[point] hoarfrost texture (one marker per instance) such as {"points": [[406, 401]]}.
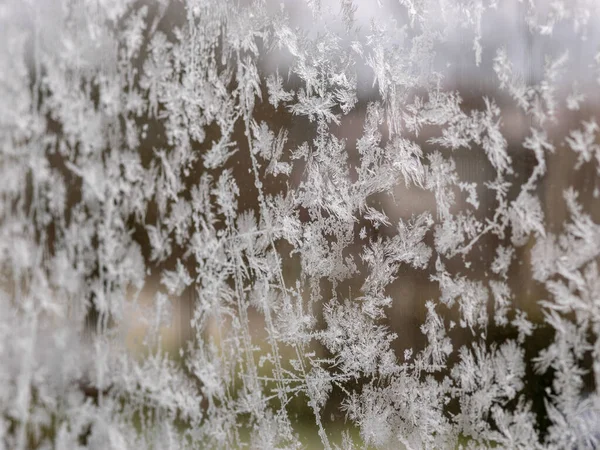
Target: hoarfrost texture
{"points": [[299, 224]]}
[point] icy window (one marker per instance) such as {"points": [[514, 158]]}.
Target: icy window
{"points": [[335, 224]]}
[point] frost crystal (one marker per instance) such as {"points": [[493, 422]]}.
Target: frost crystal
{"points": [[299, 224]]}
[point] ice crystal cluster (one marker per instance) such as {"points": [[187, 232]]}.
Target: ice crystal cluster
{"points": [[338, 224]]}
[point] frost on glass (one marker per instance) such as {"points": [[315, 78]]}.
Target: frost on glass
{"points": [[299, 224]]}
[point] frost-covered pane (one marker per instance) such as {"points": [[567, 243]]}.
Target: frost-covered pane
{"points": [[299, 224]]}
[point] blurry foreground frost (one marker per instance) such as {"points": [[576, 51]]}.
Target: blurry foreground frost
{"points": [[299, 224]]}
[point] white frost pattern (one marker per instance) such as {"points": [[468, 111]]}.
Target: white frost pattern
{"points": [[242, 223]]}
